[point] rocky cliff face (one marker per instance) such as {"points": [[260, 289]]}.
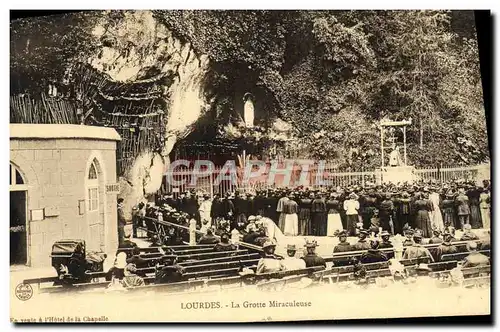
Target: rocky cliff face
{"points": [[130, 46]]}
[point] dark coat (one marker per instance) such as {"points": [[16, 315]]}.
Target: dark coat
{"points": [[208, 239], [343, 247], [361, 245], [384, 245], [435, 239], [251, 237], [314, 260], [373, 256], [224, 247], [217, 209]]}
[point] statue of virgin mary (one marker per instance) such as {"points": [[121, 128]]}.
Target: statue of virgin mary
{"points": [[248, 110]]}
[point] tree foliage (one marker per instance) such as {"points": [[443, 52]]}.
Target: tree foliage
{"points": [[333, 75]]}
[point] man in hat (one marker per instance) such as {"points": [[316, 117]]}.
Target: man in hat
{"points": [[137, 260], [224, 244], [209, 237], [343, 245], [362, 243], [409, 238], [386, 243], [435, 237], [311, 258], [373, 255], [121, 220], [468, 234], [446, 247], [475, 258], [291, 262], [138, 214], [417, 251], [269, 263], [385, 213], [403, 212], [463, 210]]}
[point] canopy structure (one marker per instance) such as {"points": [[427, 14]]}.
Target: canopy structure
{"points": [[384, 124]]}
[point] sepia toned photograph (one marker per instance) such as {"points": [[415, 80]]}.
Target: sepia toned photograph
{"points": [[248, 166]]}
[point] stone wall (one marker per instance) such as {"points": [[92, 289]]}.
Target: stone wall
{"points": [[55, 171]]}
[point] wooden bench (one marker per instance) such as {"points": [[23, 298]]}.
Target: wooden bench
{"points": [[220, 259], [192, 251], [213, 273], [221, 265], [39, 281], [461, 255], [210, 255], [479, 281], [467, 272], [350, 268]]}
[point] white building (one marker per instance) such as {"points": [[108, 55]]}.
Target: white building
{"points": [[63, 185]]}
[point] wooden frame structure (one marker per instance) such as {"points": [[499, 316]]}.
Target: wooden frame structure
{"points": [[392, 124]]}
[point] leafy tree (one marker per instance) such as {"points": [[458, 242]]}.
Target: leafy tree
{"points": [[331, 74]]}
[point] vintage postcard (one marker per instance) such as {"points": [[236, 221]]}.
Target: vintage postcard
{"points": [[247, 166]]}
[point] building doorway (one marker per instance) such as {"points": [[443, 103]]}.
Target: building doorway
{"points": [[93, 231], [18, 220]]}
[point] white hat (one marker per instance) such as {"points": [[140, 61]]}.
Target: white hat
{"points": [[251, 218], [121, 260]]}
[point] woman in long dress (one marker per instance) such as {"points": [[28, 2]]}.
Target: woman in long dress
{"points": [[318, 216], [484, 205], [280, 211], [475, 213], [305, 215], [290, 209], [204, 210], [403, 211], [436, 216], [333, 221], [422, 220], [448, 207]]}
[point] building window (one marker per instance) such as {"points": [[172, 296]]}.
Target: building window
{"points": [[92, 189], [15, 177], [16, 181], [93, 203], [92, 172]]}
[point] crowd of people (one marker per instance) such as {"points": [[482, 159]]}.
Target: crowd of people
{"points": [[325, 212], [424, 213]]}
